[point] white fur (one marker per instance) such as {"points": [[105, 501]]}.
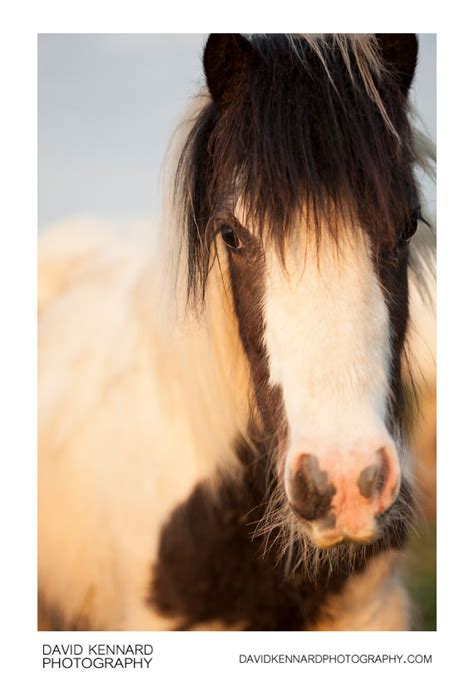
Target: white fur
{"points": [[328, 340], [129, 421], [421, 333]]}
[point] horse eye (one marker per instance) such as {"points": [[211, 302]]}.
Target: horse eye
{"points": [[410, 228], [230, 238]]}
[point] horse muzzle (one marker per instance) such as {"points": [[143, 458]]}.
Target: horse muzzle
{"points": [[339, 494]]}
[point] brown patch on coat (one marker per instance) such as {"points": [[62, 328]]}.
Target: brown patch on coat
{"points": [[210, 567]]}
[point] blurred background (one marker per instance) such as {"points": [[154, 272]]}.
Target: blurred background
{"points": [[107, 106]]}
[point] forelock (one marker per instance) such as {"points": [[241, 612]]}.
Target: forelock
{"points": [[315, 126]]}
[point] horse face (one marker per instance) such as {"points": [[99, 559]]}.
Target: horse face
{"points": [[304, 159], [323, 339]]}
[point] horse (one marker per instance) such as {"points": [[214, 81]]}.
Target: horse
{"points": [[225, 411]]}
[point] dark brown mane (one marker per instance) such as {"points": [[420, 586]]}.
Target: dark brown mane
{"points": [[299, 127]]}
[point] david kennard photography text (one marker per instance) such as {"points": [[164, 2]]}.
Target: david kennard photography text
{"points": [[97, 656]]}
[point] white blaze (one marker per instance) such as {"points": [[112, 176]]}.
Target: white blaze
{"points": [[328, 341]]}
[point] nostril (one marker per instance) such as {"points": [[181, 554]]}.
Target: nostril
{"points": [[379, 481], [371, 480], [310, 492]]}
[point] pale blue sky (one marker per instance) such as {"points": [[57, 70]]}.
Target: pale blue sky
{"points": [[108, 105]]}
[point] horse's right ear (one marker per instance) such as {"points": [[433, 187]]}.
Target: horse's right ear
{"points": [[226, 57]]}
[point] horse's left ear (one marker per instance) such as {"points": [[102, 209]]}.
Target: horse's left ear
{"points": [[226, 56], [400, 53]]}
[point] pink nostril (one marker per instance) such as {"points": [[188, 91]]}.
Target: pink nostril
{"points": [[371, 480], [380, 482]]}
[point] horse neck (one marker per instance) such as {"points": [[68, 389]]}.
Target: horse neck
{"points": [[204, 370]]}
